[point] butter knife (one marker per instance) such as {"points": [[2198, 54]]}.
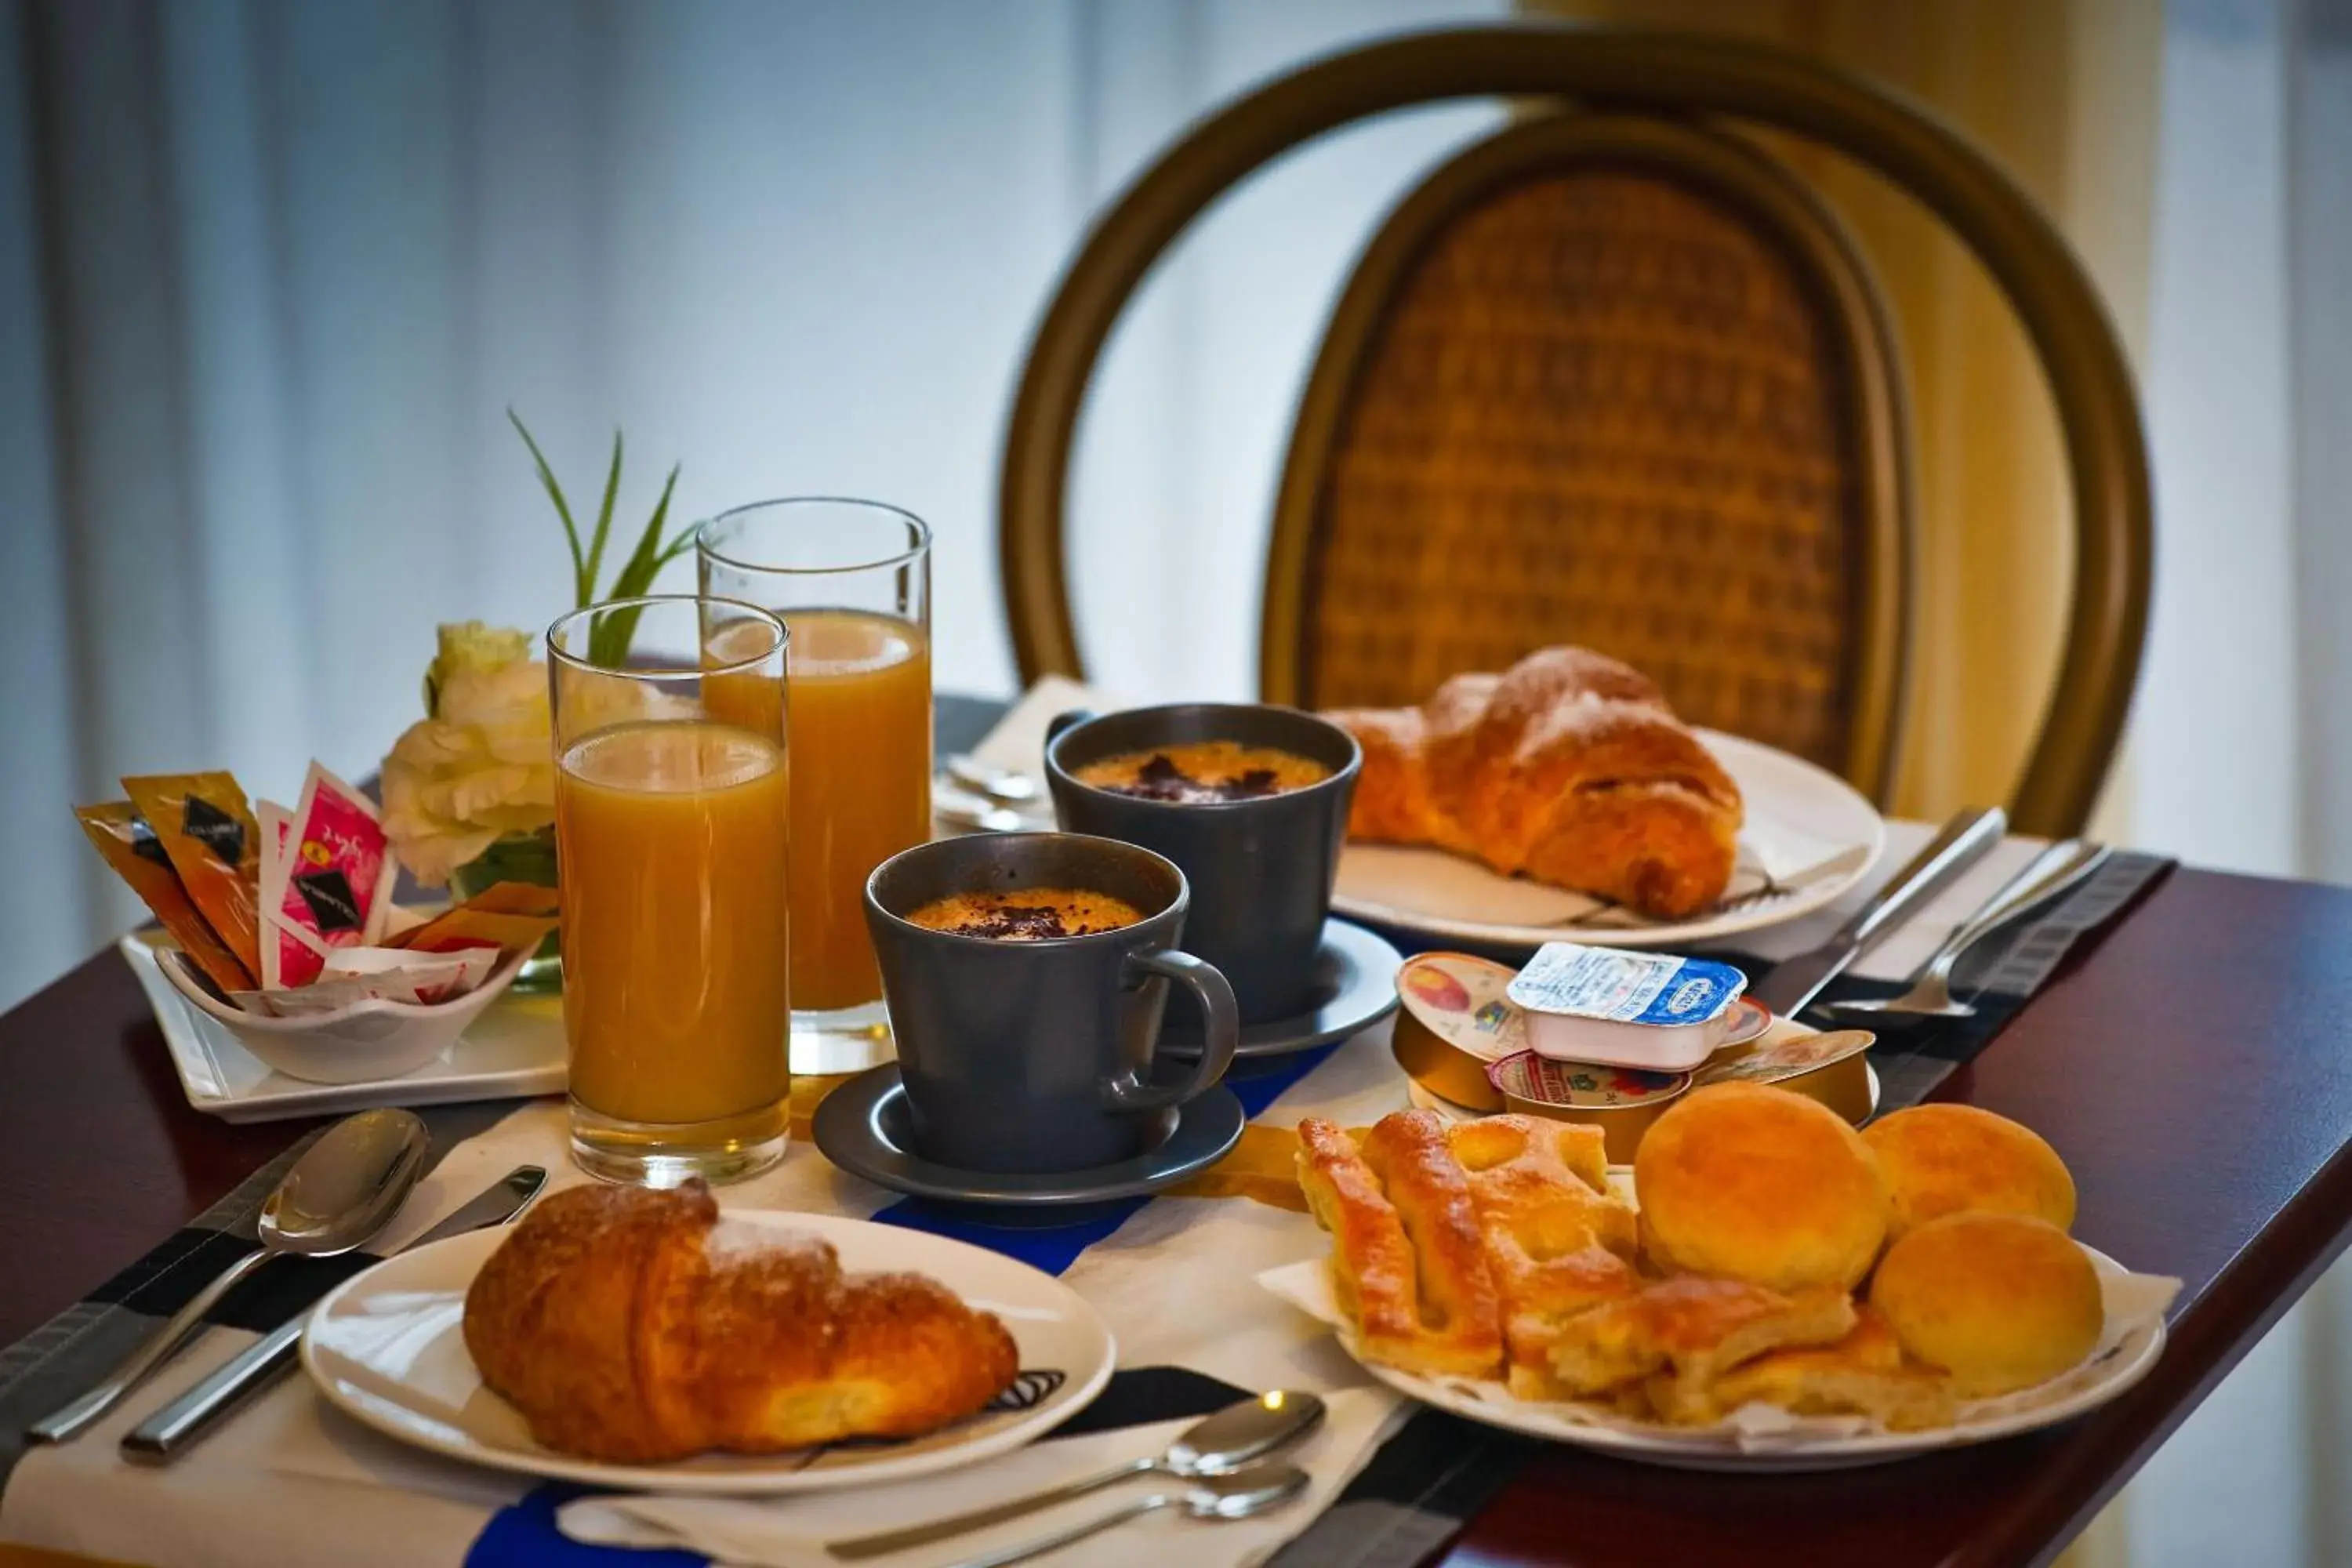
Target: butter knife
{"points": [[1965, 841], [173, 1430]]}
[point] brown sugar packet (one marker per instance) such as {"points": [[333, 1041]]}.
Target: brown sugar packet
{"points": [[514, 898], [506, 915], [130, 847], [204, 823]]}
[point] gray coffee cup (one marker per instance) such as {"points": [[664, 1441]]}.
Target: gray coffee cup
{"points": [[1037, 1056], [1261, 869]]}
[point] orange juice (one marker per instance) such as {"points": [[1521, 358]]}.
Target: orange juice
{"points": [[859, 712], [671, 840]]}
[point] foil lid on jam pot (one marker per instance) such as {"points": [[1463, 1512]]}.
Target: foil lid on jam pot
{"points": [[1612, 1004], [1455, 1021], [1831, 1067], [1621, 1101]]}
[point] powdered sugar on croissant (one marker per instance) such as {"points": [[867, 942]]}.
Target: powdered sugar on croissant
{"points": [[1569, 768]]}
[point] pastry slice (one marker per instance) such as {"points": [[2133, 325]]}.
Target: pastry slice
{"points": [[1862, 1375], [1407, 1264], [1558, 1242], [1697, 1328]]}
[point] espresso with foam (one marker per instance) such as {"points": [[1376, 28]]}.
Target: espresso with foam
{"points": [[1203, 773], [1026, 914]]}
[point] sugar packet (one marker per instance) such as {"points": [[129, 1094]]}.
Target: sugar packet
{"points": [[355, 975], [336, 887], [507, 914], [130, 846], [207, 832], [286, 958]]}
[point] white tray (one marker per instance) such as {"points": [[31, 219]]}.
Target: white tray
{"points": [[515, 1048]]}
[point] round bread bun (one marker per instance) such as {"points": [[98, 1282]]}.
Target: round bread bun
{"points": [[1955, 1158], [1754, 1182], [2002, 1301]]}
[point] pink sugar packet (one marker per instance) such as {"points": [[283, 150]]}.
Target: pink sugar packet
{"points": [[283, 954], [334, 887]]}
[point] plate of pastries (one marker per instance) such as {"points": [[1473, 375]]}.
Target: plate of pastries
{"points": [[1764, 1288], [1564, 795], [628, 1338]]}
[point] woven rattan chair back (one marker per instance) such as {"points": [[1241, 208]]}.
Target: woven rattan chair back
{"points": [[1616, 381], [1385, 461]]}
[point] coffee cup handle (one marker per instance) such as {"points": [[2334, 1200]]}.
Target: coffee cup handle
{"points": [[1207, 984]]}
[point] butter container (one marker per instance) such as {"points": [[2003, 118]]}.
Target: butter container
{"points": [[1454, 1022], [1832, 1068], [1610, 1005], [1622, 1102]]}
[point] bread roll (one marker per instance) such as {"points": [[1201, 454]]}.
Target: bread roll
{"points": [[2002, 1301], [1758, 1184], [1956, 1159]]}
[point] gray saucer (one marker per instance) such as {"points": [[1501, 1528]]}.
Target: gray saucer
{"points": [[862, 1127], [1355, 987]]}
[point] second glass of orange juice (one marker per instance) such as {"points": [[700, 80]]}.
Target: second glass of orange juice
{"points": [[672, 827], [852, 581]]}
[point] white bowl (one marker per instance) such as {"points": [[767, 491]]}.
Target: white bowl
{"points": [[366, 1041]]}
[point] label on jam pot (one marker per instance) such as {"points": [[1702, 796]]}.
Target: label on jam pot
{"points": [[1464, 1002], [1792, 1055]]}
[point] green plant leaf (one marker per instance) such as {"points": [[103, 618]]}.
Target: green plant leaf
{"points": [[582, 587], [649, 557], [604, 516]]}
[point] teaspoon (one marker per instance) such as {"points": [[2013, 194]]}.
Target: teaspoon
{"points": [[343, 1190], [1241, 1495], [1002, 785], [1216, 1446]]}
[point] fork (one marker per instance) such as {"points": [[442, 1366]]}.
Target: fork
{"points": [[2057, 870]]}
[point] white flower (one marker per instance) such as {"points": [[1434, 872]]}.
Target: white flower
{"points": [[483, 765]]}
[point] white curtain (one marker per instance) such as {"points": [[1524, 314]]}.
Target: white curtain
{"points": [[2241, 741], [270, 275]]}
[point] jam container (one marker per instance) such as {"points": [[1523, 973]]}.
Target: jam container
{"points": [[1626, 1009], [1621, 1101], [1831, 1067], [1454, 1022]]}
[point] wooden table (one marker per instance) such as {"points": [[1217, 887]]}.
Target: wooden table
{"points": [[2191, 1068]]}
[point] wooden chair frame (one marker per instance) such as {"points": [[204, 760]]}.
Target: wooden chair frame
{"points": [[1650, 73], [1730, 173]]}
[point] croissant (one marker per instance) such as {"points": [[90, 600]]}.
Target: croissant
{"points": [[1569, 768], [636, 1327]]}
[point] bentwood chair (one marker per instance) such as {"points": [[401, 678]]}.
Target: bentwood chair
{"points": [[1614, 375]]}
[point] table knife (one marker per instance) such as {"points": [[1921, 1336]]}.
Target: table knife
{"points": [[1965, 841], [173, 1430]]}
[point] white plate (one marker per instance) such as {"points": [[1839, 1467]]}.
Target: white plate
{"points": [[1436, 894], [2105, 1376], [514, 1048], [387, 1348]]}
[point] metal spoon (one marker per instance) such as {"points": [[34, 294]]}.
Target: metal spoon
{"points": [[1002, 785], [1238, 1496], [1217, 1445], [969, 812], [2057, 870], [337, 1196]]}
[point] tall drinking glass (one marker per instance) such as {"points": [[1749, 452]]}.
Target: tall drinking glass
{"points": [[671, 828], [852, 580]]}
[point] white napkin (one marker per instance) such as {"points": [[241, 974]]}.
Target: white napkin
{"points": [[1018, 741], [791, 1531]]}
